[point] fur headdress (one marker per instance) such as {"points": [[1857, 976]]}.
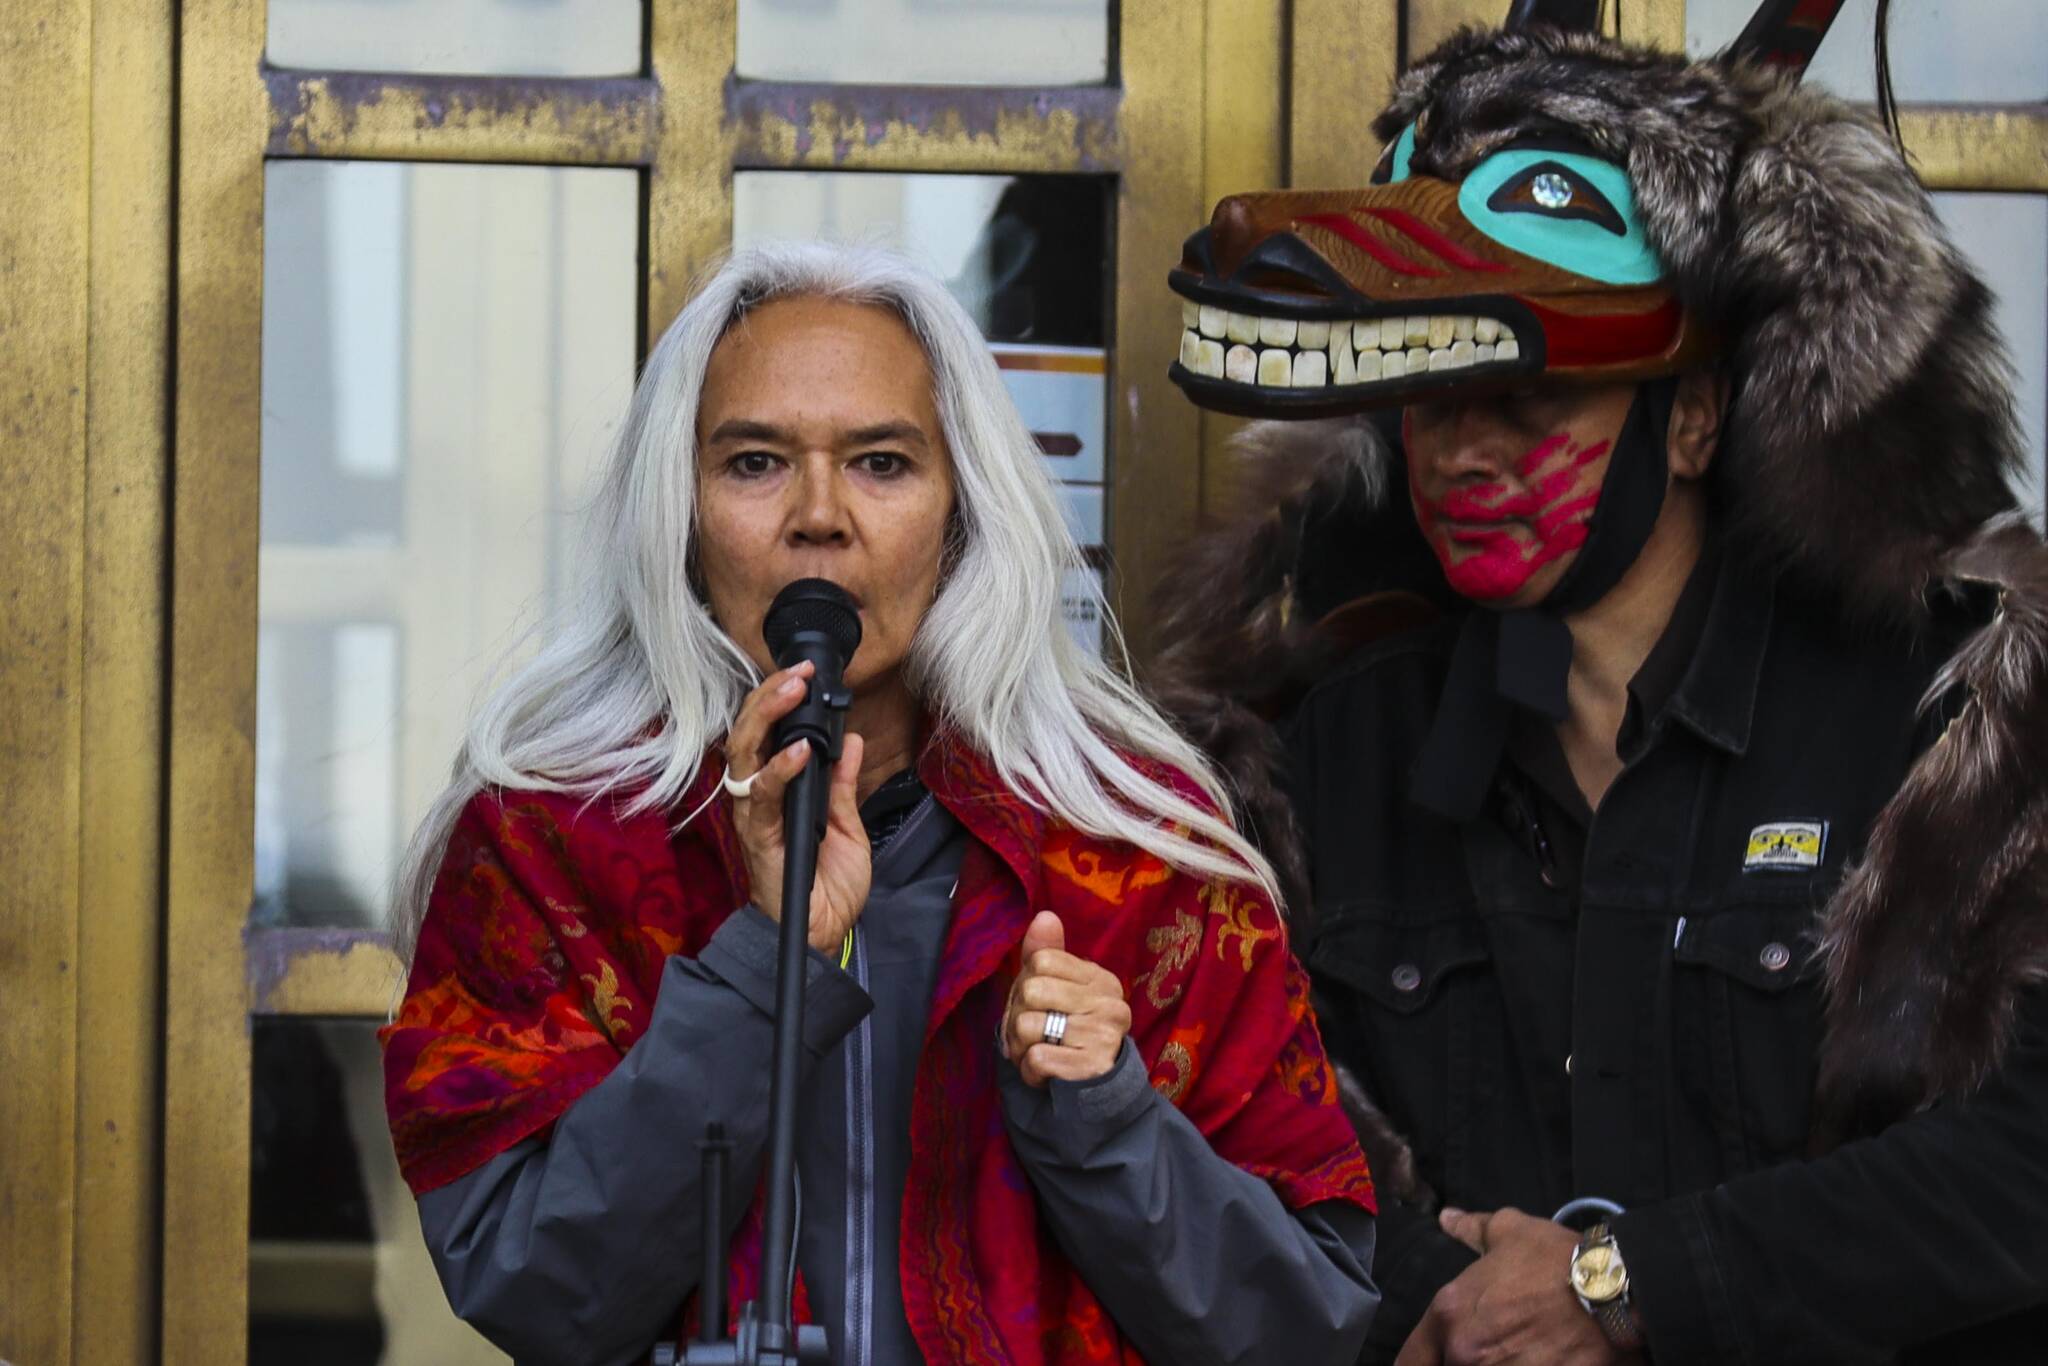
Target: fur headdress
{"points": [[1867, 448]]}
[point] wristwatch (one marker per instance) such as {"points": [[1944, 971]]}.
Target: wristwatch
{"points": [[1600, 1280]]}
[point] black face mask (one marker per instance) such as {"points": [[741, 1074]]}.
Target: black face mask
{"points": [[1523, 657]]}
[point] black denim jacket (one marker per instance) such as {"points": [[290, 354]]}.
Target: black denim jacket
{"points": [[1551, 1003]]}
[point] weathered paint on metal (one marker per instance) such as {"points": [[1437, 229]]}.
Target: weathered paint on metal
{"points": [[574, 122], [1009, 129], [1972, 147], [315, 971], [689, 190]]}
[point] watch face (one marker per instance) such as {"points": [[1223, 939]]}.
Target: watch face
{"points": [[1597, 1273]]}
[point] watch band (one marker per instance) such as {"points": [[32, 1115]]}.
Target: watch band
{"points": [[1617, 1323]]}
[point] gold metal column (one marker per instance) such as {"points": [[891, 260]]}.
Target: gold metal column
{"points": [[44, 258], [211, 783], [115, 1264], [84, 248]]}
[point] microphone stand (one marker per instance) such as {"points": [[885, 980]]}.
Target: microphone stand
{"points": [[765, 1334], [803, 825]]}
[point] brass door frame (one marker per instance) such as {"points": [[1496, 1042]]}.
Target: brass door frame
{"points": [[687, 126], [85, 235]]}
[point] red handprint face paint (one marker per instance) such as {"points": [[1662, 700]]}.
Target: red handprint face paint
{"points": [[1492, 538]]}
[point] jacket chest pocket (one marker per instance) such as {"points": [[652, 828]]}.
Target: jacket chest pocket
{"points": [[1747, 1003], [1411, 1009]]}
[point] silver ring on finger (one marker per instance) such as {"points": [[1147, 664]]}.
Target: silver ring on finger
{"points": [[1055, 1027], [739, 787]]}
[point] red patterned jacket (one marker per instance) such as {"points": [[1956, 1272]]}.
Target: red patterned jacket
{"points": [[543, 948]]}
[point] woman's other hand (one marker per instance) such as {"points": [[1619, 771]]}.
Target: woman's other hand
{"points": [[841, 887], [1091, 997]]}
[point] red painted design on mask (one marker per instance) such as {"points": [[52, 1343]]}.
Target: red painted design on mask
{"points": [[1357, 236], [1492, 538]]}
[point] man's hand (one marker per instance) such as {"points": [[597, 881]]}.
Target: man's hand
{"points": [[1092, 998], [1514, 1304]]}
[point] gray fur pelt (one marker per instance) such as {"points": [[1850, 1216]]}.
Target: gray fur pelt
{"points": [[1933, 935]]}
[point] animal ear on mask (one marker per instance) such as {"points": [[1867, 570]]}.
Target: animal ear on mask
{"points": [[1785, 33], [1580, 15]]}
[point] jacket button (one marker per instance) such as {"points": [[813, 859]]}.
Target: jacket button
{"points": [[1775, 957], [1407, 977]]}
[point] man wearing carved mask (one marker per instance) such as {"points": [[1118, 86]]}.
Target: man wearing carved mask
{"points": [[1658, 672]]}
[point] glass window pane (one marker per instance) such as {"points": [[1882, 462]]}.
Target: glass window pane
{"points": [[926, 42], [338, 1272], [459, 37], [1976, 51], [446, 352], [2006, 235], [1028, 256]]}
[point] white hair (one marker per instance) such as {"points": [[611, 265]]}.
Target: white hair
{"points": [[634, 680]]}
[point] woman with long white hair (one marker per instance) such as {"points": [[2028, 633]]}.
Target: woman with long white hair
{"points": [[1064, 1099]]}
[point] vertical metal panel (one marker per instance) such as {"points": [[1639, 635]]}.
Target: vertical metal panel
{"points": [[1345, 55], [127, 459], [1155, 434], [1653, 23], [223, 124], [1432, 21], [689, 191], [45, 68], [1245, 85], [1244, 93]]}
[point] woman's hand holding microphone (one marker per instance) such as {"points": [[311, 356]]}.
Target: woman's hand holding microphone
{"points": [[844, 867]]}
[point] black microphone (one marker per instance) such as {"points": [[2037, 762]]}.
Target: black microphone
{"points": [[816, 620]]}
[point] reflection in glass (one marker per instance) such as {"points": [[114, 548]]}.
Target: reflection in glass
{"points": [[926, 42], [338, 1273], [459, 37], [2006, 237], [1026, 255], [1941, 50], [446, 353]]}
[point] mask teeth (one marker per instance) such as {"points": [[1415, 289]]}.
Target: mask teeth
{"points": [[1288, 353]]}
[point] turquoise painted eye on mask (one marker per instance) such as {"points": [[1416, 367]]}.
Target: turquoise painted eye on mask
{"points": [[1574, 211]]}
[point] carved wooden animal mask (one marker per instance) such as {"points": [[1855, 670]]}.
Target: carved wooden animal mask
{"points": [[1495, 246]]}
